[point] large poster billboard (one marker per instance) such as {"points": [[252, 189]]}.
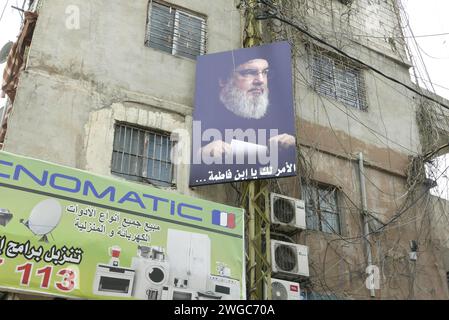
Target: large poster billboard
{"points": [[67, 232], [244, 122]]}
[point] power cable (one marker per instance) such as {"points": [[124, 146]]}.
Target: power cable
{"points": [[415, 42], [4, 8], [273, 15], [404, 37]]}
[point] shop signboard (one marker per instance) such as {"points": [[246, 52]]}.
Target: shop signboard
{"points": [[70, 233]]}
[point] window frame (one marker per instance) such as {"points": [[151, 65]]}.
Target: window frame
{"points": [[175, 34], [142, 175], [339, 64], [316, 211]]}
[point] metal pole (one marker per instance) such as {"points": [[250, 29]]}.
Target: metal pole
{"points": [[364, 213], [268, 244], [252, 234], [252, 38]]}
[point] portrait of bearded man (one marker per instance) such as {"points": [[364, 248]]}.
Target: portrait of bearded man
{"points": [[243, 97]]}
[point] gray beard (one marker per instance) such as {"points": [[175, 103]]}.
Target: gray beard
{"points": [[236, 101]]}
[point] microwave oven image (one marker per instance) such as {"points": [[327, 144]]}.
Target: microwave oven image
{"points": [[113, 281], [226, 287], [174, 293]]}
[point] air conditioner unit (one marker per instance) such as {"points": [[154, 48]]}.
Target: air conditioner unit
{"points": [[289, 259], [284, 290], [288, 213]]}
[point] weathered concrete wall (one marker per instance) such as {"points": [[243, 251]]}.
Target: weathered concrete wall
{"points": [[368, 23], [78, 83], [338, 262], [357, 29], [333, 134], [440, 230]]}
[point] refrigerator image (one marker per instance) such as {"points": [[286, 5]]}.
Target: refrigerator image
{"points": [[189, 255]]}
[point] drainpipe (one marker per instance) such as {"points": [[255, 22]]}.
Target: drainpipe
{"points": [[365, 217]]}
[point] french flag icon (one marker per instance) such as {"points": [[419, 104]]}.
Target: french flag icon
{"points": [[224, 219]]}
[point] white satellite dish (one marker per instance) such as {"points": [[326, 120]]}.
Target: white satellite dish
{"points": [[44, 218], [4, 52]]}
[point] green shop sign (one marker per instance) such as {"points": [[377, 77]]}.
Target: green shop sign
{"points": [[66, 232]]}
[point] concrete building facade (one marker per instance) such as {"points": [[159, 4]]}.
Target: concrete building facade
{"points": [[82, 79]]}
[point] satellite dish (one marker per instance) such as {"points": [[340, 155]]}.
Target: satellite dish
{"points": [[5, 51], [44, 218]]}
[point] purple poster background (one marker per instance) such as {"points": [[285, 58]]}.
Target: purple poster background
{"points": [[248, 90]]}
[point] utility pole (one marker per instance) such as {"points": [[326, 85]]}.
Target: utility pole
{"points": [[256, 196]]}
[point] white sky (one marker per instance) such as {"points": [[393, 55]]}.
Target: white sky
{"points": [[428, 17]]}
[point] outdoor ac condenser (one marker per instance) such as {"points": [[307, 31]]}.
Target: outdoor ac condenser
{"points": [[283, 290], [289, 259], [288, 213]]}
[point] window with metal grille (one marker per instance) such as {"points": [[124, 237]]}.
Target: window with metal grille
{"points": [[307, 294], [346, 2], [142, 155], [35, 5], [447, 278], [175, 30], [322, 212], [338, 79]]}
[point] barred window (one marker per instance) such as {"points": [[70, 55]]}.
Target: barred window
{"points": [[346, 2], [175, 31], [142, 155], [322, 211], [307, 294], [35, 5], [338, 79], [447, 278]]}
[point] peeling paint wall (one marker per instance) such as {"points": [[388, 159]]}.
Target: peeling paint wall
{"points": [[332, 135], [79, 83]]}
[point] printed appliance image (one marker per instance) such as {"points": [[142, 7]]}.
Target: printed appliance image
{"points": [[227, 288], [113, 280], [44, 218], [175, 293], [5, 217], [189, 256], [152, 273]]}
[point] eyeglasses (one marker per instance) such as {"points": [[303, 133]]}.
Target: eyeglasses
{"points": [[252, 73]]}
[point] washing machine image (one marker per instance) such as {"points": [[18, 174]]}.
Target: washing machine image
{"points": [[151, 274]]}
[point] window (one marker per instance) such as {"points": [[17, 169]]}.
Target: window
{"points": [[175, 31], [35, 5], [142, 155], [307, 294], [346, 2], [447, 278], [338, 79], [322, 208]]}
